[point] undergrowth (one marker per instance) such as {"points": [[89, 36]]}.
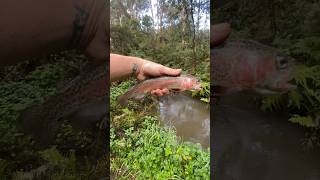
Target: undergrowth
{"points": [[20, 158], [142, 149], [303, 103]]}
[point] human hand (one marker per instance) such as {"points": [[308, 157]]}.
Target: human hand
{"points": [[150, 69], [219, 33]]}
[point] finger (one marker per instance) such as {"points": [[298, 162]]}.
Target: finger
{"points": [[154, 92], [165, 91], [161, 92], [169, 71], [219, 33], [157, 92], [141, 77]]}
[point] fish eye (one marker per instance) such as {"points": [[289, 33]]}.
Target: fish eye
{"points": [[282, 62]]}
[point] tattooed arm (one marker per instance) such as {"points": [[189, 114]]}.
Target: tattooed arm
{"points": [[40, 27], [122, 67]]}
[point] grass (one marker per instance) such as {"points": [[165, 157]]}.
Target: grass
{"points": [[19, 157], [142, 149]]}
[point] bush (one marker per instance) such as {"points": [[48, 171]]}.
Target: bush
{"points": [[154, 152]]}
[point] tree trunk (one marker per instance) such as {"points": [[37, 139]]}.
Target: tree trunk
{"points": [[193, 36]]}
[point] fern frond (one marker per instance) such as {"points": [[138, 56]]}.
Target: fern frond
{"points": [[306, 121], [295, 99], [272, 103], [302, 74]]}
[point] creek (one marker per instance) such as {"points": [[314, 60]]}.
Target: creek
{"points": [[188, 116], [248, 144]]}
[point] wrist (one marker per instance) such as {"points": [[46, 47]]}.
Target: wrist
{"points": [[137, 66]]}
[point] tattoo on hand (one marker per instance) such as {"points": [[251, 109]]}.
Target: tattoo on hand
{"points": [[134, 69], [79, 22]]}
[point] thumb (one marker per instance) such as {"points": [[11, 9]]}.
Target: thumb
{"points": [[169, 71]]}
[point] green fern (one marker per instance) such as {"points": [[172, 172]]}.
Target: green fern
{"points": [[4, 166], [306, 121], [309, 46], [302, 74], [61, 166], [272, 103], [295, 99], [306, 98], [204, 93]]}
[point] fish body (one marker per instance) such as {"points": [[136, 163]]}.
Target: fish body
{"points": [[88, 88], [248, 65], [177, 84]]}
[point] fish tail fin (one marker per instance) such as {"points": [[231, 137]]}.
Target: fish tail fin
{"points": [[123, 99]]}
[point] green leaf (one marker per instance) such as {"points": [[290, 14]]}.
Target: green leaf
{"points": [[306, 121]]}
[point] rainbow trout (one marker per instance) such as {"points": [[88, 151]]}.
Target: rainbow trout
{"points": [[175, 84], [242, 65], [88, 88]]}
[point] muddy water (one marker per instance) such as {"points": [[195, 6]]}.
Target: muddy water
{"points": [[190, 117], [251, 145], [247, 143]]}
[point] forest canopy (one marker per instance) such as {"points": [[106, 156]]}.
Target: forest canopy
{"points": [[170, 32]]}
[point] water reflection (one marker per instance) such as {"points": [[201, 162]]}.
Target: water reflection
{"points": [[251, 145], [190, 117], [248, 144]]}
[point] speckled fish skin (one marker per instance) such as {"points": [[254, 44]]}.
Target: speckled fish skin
{"points": [[41, 120], [180, 83], [248, 65]]}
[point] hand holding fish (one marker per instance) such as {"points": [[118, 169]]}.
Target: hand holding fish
{"points": [[173, 84], [122, 67], [150, 69]]}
